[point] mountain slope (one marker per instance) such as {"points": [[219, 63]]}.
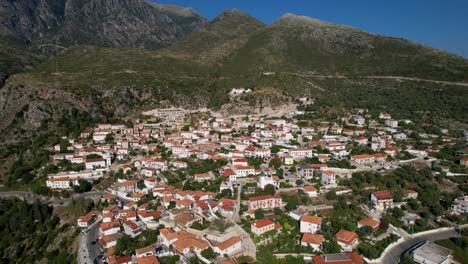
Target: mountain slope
{"points": [[295, 43], [14, 58], [111, 23], [218, 39]]}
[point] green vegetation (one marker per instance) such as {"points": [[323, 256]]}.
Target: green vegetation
{"points": [[459, 245], [126, 244], [208, 253], [373, 250], [37, 237]]}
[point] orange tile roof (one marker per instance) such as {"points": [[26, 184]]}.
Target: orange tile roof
{"points": [[144, 250], [345, 236], [264, 197], [109, 225], [228, 243], [352, 258], [311, 219], [369, 222], [309, 188], [147, 260], [262, 223], [382, 195], [310, 238]]}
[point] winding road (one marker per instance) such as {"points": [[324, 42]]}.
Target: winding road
{"points": [[393, 255]]}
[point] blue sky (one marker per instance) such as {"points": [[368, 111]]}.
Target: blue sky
{"points": [[437, 23]]}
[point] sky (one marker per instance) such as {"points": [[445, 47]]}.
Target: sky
{"points": [[436, 23]]}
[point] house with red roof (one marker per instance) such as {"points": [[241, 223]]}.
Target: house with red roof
{"points": [[266, 202], [312, 240], [338, 258], [374, 224], [347, 240], [228, 247], [310, 224], [262, 226], [381, 200]]}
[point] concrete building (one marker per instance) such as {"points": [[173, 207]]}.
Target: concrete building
{"points": [[431, 253]]}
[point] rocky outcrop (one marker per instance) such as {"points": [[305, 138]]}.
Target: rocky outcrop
{"points": [[111, 23]]}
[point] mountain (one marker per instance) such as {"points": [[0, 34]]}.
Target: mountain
{"points": [[109, 23], [297, 43], [30, 28], [218, 39]]}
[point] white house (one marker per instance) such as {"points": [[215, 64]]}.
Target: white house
{"points": [[347, 240], [328, 179], [312, 240], [300, 153], [310, 190], [229, 247], [262, 226], [265, 180], [391, 123], [310, 224], [381, 200], [243, 171], [61, 183]]}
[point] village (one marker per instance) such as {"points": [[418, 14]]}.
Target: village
{"points": [[182, 187]]}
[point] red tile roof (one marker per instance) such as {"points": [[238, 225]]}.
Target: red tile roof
{"points": [[262, 223], [383, 195]]}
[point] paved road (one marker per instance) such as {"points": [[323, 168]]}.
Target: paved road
{"points": [[248, 245], [88, 250], [393, 255]]}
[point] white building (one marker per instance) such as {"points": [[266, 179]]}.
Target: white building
{"points": [[237, 91], [265, 180], [460, 205], [312, 240], [229, 247], [381, 200], [391, 123], [310, 224], [328, 178], [243, 171], [262, 226], [431, 253], [61, 183], [302, 153]]}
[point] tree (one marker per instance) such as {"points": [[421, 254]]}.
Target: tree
{"points": [[259, 214], [275, 163], [398, 195], [364, 231], [208, 253], [125, 244], [331, 195], [269, 189], [397, 213], [109, 138], [384, 223], [226, 193], [141, 184], [330, 247], [83, 186], [291, 202], [277, 211], [275, 149]]}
